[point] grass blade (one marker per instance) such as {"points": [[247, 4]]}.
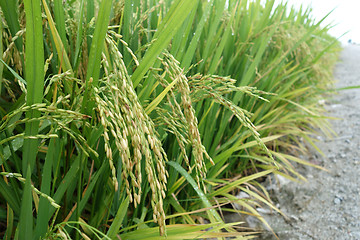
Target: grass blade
{"points": [[220, 48], [60, 20], [115, 226], [34, 73], [184, 231], [97, 45], [44, 204], [79, 35], [10, 223], [185, 63], [58, 40], [25, 228], [9, 9], [9, 195], [14, 73], [230, 186], [160, 97], [167, 29], [213, 215]]}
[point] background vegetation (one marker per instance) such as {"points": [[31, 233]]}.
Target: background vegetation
{"points": [[142, 119]]}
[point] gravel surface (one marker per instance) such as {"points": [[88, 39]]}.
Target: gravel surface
{"points": [[327, 206]]}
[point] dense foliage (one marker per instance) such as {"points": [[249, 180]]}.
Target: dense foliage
{"points": [[136, 119]]}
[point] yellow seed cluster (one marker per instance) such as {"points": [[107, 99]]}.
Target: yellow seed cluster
{"points": [[214, 87], [186, 113], [129, 129]]}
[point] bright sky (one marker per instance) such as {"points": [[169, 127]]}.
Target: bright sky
{"points": [[346, 15]]}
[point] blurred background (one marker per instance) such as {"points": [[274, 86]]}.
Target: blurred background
{"points": [[345, 16]]}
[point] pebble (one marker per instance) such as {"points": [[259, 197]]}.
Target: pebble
{"points": [[242, 195], [294, 218], [337, 200], [264, 210]]}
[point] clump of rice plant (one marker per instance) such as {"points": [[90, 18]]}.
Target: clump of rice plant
{"points": [[141, 119]]}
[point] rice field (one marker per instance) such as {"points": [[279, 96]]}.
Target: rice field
{"points": [[143, 119]]}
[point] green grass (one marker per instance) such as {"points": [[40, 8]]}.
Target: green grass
{"points": [[143, 119]]}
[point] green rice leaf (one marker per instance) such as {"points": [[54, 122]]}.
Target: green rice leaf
{"points": [[167, 29], [11, 15], [44, 205], [182, 231], [10, 223], [34, 73], [186, 61], [59, 16], [59, 40], [160, 97], [212, 214], [97, 46], [231, 186], [79, 35], [9, 195], [18, 77], [116, 224], [25, 227]]}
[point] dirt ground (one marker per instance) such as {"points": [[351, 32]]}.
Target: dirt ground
{"points": [[328, 205]]}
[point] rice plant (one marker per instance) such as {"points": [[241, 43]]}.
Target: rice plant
{"points": [[141, 119]]}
